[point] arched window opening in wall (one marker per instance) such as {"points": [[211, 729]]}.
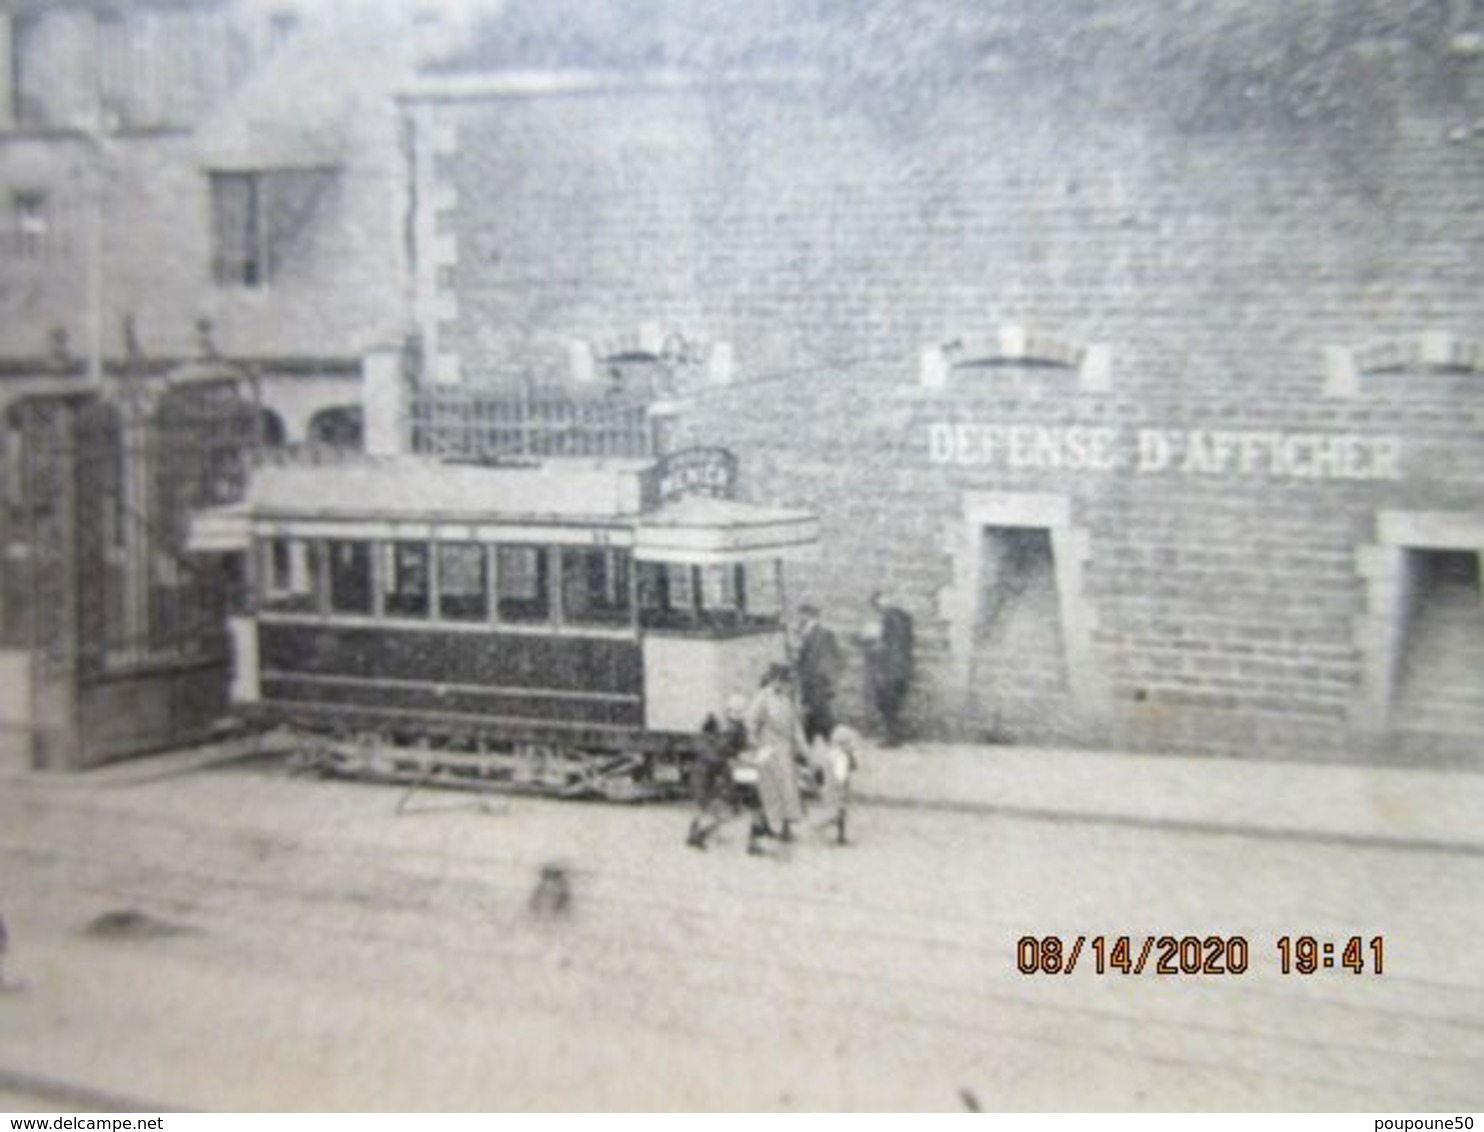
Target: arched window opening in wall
{"points": [[1013, 345], [271, 433], [643, 376], [1466, 28], [339, 427], [651, 363], [1435, 353]]}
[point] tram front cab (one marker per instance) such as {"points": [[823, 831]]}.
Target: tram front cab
{"points": [[712, 597]]}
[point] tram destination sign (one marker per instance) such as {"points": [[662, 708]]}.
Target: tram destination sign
{"points": [[692, 471], [1272, 453]]}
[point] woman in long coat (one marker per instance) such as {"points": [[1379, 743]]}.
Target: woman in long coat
{"points": [[777, 735]]}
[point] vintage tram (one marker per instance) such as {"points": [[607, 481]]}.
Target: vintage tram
{"points": [[562, 626]]}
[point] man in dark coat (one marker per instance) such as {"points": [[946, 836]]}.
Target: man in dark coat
{"points": [[888, 644], [819, 664]]}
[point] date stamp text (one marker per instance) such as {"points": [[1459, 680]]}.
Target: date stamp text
{"points": [[1188, 955]]}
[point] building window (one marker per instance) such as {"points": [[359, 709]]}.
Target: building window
{"points": [[29, 224], [339, 427], [258, 219], [25, 106], [520, 582], [463, 594], [115, 51], [283, 26], [236, 223], [406, 577]]}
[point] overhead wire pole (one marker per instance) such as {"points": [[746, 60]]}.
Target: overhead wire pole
{"points": [[94, 132], [95, 263]]}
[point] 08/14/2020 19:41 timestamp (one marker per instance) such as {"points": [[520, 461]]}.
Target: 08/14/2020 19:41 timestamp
{"points": [[1195, 955]]}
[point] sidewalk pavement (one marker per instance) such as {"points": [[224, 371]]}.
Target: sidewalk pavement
{"points": [[1425, 808], [1348, 802]]}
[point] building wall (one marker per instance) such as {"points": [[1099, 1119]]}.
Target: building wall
{"points": [[1109, 267]]}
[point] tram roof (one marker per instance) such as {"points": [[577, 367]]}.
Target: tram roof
{"points": [[409, 497], [412, 488], [704, 531]]}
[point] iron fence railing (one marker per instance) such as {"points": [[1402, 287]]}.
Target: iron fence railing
{"points": [[484, 425]]}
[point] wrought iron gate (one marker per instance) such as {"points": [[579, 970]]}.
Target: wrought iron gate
{"points": [[125, 631]]}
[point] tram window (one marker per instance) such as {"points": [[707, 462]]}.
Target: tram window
{"points": [[287, 568], [595, 585], [684, 595], [762, 598], [235, 596], [463, 594], [520, 583], [665, 596], [15, 464], [279, 570], [405, 579], [654, 593], [350, 577], [720, 596], [703, 597]]}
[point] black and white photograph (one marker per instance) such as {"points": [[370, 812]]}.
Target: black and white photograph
{"points": [[741, 556]]}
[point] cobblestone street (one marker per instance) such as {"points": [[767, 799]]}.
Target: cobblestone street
{"points": [[302, 944]]}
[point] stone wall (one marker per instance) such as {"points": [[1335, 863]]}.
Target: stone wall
{"points": [[1294, 307]]}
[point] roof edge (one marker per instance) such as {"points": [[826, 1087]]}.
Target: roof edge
{"points": [[460, 86]]}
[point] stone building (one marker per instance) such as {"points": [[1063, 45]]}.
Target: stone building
{"points": [[169, 165], [1140, 355], [194, 195]]}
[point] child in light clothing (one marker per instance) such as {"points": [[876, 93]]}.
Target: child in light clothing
{"points": [[837, 762]]}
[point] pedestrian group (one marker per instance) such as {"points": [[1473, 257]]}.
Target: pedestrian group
{"points": [[787, 730]]}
